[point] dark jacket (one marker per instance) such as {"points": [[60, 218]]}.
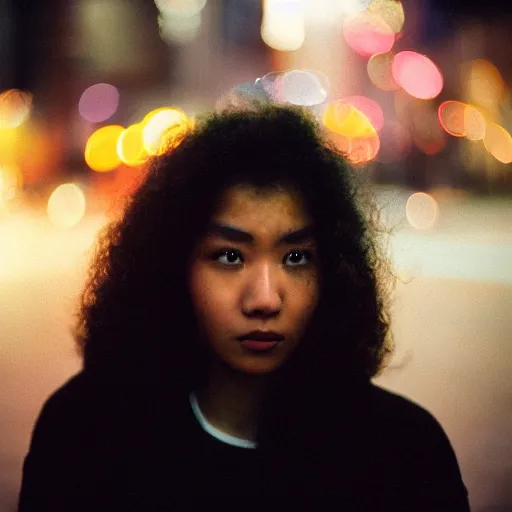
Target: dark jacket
{"points": [[89, 451]]}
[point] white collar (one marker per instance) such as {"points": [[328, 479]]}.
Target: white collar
{"points": [[215, 432]]}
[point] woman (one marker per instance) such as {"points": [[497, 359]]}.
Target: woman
{"points": [[230, 327]]}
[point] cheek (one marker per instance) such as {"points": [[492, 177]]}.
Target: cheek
{"points": [[210, 298], [304, 300]]}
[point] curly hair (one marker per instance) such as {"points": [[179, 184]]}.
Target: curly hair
{"points": [[136, 314]]}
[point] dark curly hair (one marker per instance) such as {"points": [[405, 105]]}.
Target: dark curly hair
{"points": [[136, 319]]}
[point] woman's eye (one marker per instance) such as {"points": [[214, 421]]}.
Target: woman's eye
{"points": [[228, 257], [297, 258]]}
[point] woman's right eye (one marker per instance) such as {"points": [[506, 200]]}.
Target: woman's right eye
{"points": [[228, 257]]}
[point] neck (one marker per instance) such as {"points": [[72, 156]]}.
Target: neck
{"points": [[230, 401]]}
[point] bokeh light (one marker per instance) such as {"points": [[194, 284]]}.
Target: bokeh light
{"points": [[15, 107], [390, 11], [368, 34], [182, 7], [417, 75], [283, 24], [270, 84], [359, 150], [461, 120], [130, 147], [178, 28], [362, 150], [451, 117], [98, 102], [101, 148], [11, 181], [179, 21], [297, 87], [352, 132], [162, 126], [474, 123], [370, 108], [421, 210], [498, 143], [66, 205], [485, 85], [380, 72], [31, 148], [301, 87], [344, 119], [10, 139]]}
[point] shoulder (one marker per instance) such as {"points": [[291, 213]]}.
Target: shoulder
{"points": [[403, 424], [71, 405], [413, 446], [62, 445], [393, 408], [72, 427], [80, 418], [69, 395], [82, 445]]}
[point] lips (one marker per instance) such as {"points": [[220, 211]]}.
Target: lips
{"points": [[260, 341], [261, 336]]}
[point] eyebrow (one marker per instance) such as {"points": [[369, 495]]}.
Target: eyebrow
{"points": [[233, 234]]}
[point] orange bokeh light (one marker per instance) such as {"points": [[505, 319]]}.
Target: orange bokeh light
{"points": [[462, 120], [498, 143], [163, 128], [130, 147], [101, 148], [359, 150], [451, 117], [485, 85], [474, 123]]}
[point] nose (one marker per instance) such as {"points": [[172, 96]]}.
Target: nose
{"points": [[262, 295]]}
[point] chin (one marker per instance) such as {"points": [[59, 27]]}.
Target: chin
{"points": [[258, 367]]}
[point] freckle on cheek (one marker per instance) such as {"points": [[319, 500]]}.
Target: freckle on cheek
{"points": [[310, 281]]}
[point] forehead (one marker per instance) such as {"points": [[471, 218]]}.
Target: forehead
{"points": [[247, 205]]}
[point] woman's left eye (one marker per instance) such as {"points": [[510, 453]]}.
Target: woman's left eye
{"points": [[297, 258]]}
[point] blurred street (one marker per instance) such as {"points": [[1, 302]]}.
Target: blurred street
{"points": [[452, 326]]}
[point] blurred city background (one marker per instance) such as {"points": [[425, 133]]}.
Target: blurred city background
{"points": [[416, 93]]}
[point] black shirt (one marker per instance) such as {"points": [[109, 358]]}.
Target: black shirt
{"points": [[88, 453]]}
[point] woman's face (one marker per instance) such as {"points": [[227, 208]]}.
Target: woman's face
{"points": [[254, 278]]}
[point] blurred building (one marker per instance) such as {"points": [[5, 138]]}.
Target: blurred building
{"points": [[189, 53]]}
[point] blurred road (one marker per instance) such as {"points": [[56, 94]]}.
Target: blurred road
{"points": [[452, 325]]}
